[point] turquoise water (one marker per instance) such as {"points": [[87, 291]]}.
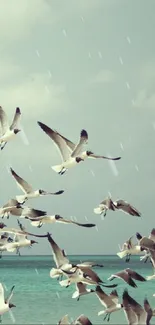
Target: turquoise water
{"points": [[41, 300]]}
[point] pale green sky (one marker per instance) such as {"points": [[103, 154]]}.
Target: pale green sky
{"points": [[76, 64]]}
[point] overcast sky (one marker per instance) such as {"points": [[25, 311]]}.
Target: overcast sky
{"points": [[75, 64]]}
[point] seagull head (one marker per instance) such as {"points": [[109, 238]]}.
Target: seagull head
{"points": [[33, 242], [88, 152], [57, 217], [16, 131], [138, 236], [42, 192], [2, 225], [11, 305], [78, 159]]}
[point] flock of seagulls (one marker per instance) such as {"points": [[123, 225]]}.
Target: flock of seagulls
{"points": [[81, 275]]}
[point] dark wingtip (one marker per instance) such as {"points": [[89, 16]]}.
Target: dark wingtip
{"points": [[117, 158], [84, 134], [59, 192], [138, 235], [89, 225], [18, 110]]}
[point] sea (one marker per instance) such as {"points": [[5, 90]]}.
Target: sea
{"points": [[41, 300]]}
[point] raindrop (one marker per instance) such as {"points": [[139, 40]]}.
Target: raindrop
{"points": [[137, 168], [100, 54], [89, 55], [38, 54], [121, 145], [86, 218], [23, 136], [127, 84], [37, 271], [96, 228], [128, 40], [57, 293], [64, 32], [121, 61]]}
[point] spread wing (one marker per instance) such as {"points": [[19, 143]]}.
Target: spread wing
{"points": [[24, 186], [127, 208], [4, 124], [58, 140], [58, 254], [79, 147], [16, 119]]}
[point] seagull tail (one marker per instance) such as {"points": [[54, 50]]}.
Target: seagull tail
{"points": [[58, 168], [75, 295], [21, 198], [122, 254], [97, 210], [102, 312], [54, 273]]}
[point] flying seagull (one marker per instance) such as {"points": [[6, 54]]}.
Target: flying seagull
{"points": [[134, 312], [14, 208], [81, 290], [64, 320], [128, 275], [108, 204], [62, 262], [129, 249], [39, 221], [28, 190], [71, 153], [5, 304], [110, 302], [15, 231], [7, 132], [87, 276], [145, 242]]}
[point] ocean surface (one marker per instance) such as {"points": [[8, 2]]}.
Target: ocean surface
{"points": [[41, 300]]}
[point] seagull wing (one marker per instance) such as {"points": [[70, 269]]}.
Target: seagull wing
{"points": [[32, 213], [83, 320], [148, 310], [104, 298], [4, 124], [114, 296], [16, 119], [131, 316], [92, 155], [126, 277], [87, 225], [1, 295], [127, 208], [64, 320], [58, 254], [58, 140], [135, 275], [7, 300], [19, 232], [152, 235], [81, 287], [92, 275], [24, 186], [79, 147], [145, 242]]}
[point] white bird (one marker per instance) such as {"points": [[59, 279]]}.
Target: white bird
{"points": [[108, 204], [129, 248], [5, 304], [71, 153], [62, 262], [15, 231], [108, 301], [28, 190], [134, 312], [128, 275], [40, 221], [81, 290], [14, 208], [7, 132]]}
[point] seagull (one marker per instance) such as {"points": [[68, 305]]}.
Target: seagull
{"points": [[81, 290], [14, 208], [134, 312], [128, 275], [71, 153], [15, 231], [129, 249], [28, 190], [108, 301], [39, 221], [61, 260], [8, 132], [84, 275], [82, 320], [145, 242], [150, 312], [108, 204], [5, 304]]}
